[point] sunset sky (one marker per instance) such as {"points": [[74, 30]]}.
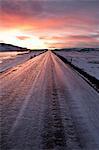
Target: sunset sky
{"points": [[50, 23]]}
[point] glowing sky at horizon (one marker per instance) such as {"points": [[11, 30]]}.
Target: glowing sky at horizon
{"points": [[50, 24]]}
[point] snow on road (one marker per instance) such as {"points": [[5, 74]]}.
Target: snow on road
{"points": [[46, 105]]}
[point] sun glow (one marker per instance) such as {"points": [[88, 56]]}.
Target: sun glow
{"points": [[34, 42], [18, 38]]}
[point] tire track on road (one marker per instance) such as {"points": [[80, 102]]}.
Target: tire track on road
{"points": [[57, 133], [53, 131]]}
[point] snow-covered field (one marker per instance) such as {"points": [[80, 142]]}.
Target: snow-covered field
{"points": [[9, 55], [87, 61], [11, 59]]}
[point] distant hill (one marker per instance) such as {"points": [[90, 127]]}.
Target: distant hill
{"points": [[78, 49], [9, 47], [88, 49]]}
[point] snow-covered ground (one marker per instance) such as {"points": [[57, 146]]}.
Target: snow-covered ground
{"points": [[11, 59], [87, 61], [9, 55]]}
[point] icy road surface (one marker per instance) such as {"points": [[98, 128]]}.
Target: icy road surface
{"points": [[45, 105]]}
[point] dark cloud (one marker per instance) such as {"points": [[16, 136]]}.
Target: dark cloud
{"points": [[22, 7], [51, 7], [70, 7]]}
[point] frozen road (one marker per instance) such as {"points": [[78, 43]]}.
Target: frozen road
{"points": [[45, 105]]}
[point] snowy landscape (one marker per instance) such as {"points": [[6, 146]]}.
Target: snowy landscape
{"points": [[49, 74], [11, 59], [85, 60]]}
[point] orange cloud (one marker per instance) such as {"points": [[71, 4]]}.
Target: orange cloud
{"points": [[22, 37], [52, 23]]}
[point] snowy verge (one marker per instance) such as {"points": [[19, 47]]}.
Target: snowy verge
{"points": [[7, 64], [90, 79]]}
